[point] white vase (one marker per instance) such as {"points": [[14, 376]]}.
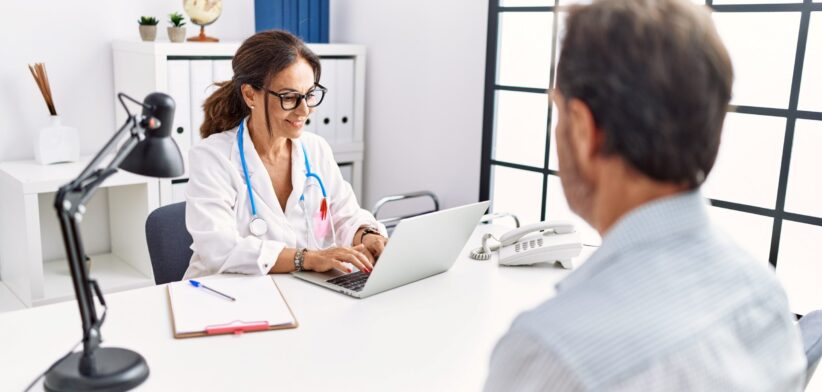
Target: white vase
{"points": [[57, 143]]}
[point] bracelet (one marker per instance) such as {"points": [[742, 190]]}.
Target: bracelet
{"points": [[369, 230], [298, 259]]}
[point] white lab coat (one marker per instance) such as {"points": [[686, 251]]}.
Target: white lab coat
{"points": [[218, 210]]}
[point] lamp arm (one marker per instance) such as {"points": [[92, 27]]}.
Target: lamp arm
{"points": [[70, 204], [105, 151]]}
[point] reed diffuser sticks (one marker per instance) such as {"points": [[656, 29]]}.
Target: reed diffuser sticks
{"points": [[38, 71]]}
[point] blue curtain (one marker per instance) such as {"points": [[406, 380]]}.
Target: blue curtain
{"points": [[307, 19]]}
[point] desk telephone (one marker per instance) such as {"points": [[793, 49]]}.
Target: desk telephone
{"points": [[535, 243]]}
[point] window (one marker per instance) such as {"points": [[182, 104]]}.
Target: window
{"points": [[766, 187]]}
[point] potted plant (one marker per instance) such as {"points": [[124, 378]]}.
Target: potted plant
{"points": [[176, 32], [148, 27]]}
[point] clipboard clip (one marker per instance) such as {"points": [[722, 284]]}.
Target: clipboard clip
{"points": [[236, 327]]}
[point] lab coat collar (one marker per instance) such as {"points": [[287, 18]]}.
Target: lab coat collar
{"points": [[260, 181]]}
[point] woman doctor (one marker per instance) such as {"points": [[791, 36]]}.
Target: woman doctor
{"points": [[263, 195]]}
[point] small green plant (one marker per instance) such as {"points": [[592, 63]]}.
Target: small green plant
{"points": [[148, 21], [176, 19]]}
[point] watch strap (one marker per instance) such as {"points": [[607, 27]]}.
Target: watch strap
{"points": [[299, 258]]}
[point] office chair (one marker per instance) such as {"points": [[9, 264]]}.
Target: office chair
{"points": [[811, 327], [488, 218], [392, 222], [169, 243]]}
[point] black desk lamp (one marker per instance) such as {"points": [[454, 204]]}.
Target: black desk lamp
{"points": [[149, 150]]}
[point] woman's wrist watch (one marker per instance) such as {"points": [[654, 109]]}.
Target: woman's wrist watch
{"points": [[299, 258], [368, 230]]}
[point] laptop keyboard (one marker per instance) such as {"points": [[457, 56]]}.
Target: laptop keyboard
{"points": [[354, 281]]}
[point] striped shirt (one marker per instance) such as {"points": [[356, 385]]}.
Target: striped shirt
{"points": [[668, 303]]}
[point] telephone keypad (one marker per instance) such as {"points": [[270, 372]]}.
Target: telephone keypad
{"points": [[523, 246]]}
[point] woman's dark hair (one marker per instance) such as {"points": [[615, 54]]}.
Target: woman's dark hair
{"points": [[259, 59], [657, 79]]}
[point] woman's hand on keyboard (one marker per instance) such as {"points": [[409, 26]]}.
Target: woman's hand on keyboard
{"points": [[328, 259], [374, 245]]}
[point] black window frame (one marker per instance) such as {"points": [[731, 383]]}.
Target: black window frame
{"points": [[791, 114]]}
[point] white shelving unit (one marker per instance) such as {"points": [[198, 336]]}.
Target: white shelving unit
{"points": [[32, 264], [9, 301], [186, 71]]}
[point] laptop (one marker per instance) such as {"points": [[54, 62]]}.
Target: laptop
{"points": [[420, 247]]}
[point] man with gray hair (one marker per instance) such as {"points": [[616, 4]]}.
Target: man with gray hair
{"points": [[668, 302]]}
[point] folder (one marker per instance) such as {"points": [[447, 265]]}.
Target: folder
{"points": [[268, 14], [314, 21], [178, 88], [222, 71], [324, 21], [303, 20], [311, 122], [344, 128], [326, 111], [201, 81], [347, 171], [259, 306]]}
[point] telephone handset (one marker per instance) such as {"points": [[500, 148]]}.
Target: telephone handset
{"points": [[535, 243]]}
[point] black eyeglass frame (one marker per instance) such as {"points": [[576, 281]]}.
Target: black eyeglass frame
{"points": [[300, 97]]}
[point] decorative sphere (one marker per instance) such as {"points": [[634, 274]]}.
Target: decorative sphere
{"points": [[203, 12]]}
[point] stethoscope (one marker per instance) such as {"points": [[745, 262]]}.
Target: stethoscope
{"points": [[258, 226]]}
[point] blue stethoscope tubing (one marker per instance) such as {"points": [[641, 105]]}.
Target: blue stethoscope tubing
{"points": [[258, 226]]}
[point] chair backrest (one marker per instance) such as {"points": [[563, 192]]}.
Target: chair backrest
{"points": [[488, 218], [811, 327], [391, 222], [169, 243]]}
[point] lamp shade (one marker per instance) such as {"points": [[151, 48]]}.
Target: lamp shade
{"points": [[157, 155]]}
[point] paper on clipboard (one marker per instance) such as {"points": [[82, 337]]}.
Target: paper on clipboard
{"points": [[198, 312]]}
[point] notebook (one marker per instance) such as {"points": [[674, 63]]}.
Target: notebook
{"points": [[259, 306]]}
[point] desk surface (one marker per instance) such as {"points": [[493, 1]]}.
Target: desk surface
{"points": [[434, 334]]}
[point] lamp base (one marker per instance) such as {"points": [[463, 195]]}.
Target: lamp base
{"points": [[118, 369]]}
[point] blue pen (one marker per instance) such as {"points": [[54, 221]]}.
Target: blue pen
{"points": [[198, 284]]}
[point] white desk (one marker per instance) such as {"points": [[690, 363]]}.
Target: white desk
{"points": [[435, 334]]}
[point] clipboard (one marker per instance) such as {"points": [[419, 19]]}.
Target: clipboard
{"points": [[260, 306]]}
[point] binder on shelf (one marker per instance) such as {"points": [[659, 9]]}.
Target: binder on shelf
{"points": [[222, 71], [314, 16], [290, 15], [178, 191], [326, 111], [311, 122], [178, 88], [201, 87], [324, 20], [306, 18], [303, 20], [347, 171], [258, 306], [344, 120]]}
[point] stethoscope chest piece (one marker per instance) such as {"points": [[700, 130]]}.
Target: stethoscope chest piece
{"points": [[258, 227]]}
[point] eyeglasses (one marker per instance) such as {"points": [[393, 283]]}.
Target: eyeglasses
{"points": [[292, 99]]}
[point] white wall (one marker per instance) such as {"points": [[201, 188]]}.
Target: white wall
{"points": [[426, 63], [424, 93], [74, 39]]}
